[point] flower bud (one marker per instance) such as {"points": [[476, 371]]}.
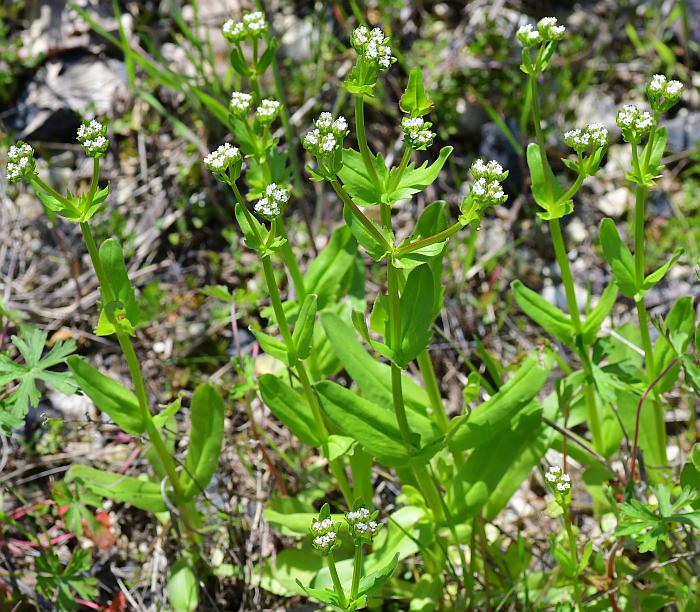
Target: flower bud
{"points": [[273, 203], [549, 29], [91, 135], [220, 160], [662, 93], [240, 104], [587, 140], [20, 164], [416, 133], [633, 123], [373, 47], [267, 112], [528, 35]]}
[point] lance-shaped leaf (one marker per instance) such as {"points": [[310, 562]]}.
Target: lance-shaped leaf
{"points": [[594, 319], [206, 436], [416, 306], [304, 327], [619, 257], [115, 400], [326, 272], [658, 274], [417, 179], [143, 494], [271, 345], [112, 259], [366, 238], [545, 187], [290, 407], [501, 412], [357, 180], [546, 315]]}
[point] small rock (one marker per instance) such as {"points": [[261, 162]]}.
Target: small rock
{"points": [[597, 107], [683, 131], [615, 203], [576, 231]]}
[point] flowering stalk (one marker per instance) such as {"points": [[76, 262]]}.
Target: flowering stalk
{"points": [[546, 35]]}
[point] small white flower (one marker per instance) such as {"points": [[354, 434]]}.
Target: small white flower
{"points": [[560, 482], [234, 31], [20, 162], [326, 136], [633, 123], [416, 132], [372, 46], [595, 136], [267, 112], [91, 135], [255, 23], [528, 35], [563, 486], [549, 29], [272, 203], [657, 83], [220, 160], [240, 103], [662, 93]]}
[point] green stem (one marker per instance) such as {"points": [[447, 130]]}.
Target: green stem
{"points": [[639, 204], [292, 265], [359, 215], [574, 559], [279, 311], [95, 179], [535, 104], [424, 242], [362, 140], [566, 276], [337, 586], [52, 192], [356, 571], [432, 388]]}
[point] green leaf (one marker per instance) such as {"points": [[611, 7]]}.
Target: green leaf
{"points": [[501, 412], [183, 587], [271, 345], [357, 180], [112, 259], [658, 274], [117, 401], [290, 407], [372, 377], [375, 249], [595, 318], [372, 426], [206, 437], [679, 325], [325, 274], [30, 344], [414, 101], [371, 584], [546, 315], [143, 494], [304, 327], [160, 419], [416, 179], [545, 187], [619, 257], [339, 446], [433, 220], [416, 305]]}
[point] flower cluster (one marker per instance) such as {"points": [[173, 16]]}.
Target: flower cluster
{"points": [[559, 482], [20, 162], [222, 159], [633, 123], [417, 133], [547, 29], [240, 104], [91, 134], [373, 47], [273, 202], [662, 93], [267, 112], [591, 138], [362, 524], [325, 535], [326, 136], [487, 189], [252, 25]]}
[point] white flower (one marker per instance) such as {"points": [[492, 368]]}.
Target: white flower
{"points": [[267, 112], [416, 132], [20, 162], [595, 136], [91, 135], [234, 31], [657, 83], [560, 482], [326, 136], [487, 189], [563, 486], [255, 23], [358, 515], [273, 202], [549, 29], [528, 35], [240, 103], [220, 160], [490, 171], [361, 523], [662, 93], [372, 46], [633, 123]]}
